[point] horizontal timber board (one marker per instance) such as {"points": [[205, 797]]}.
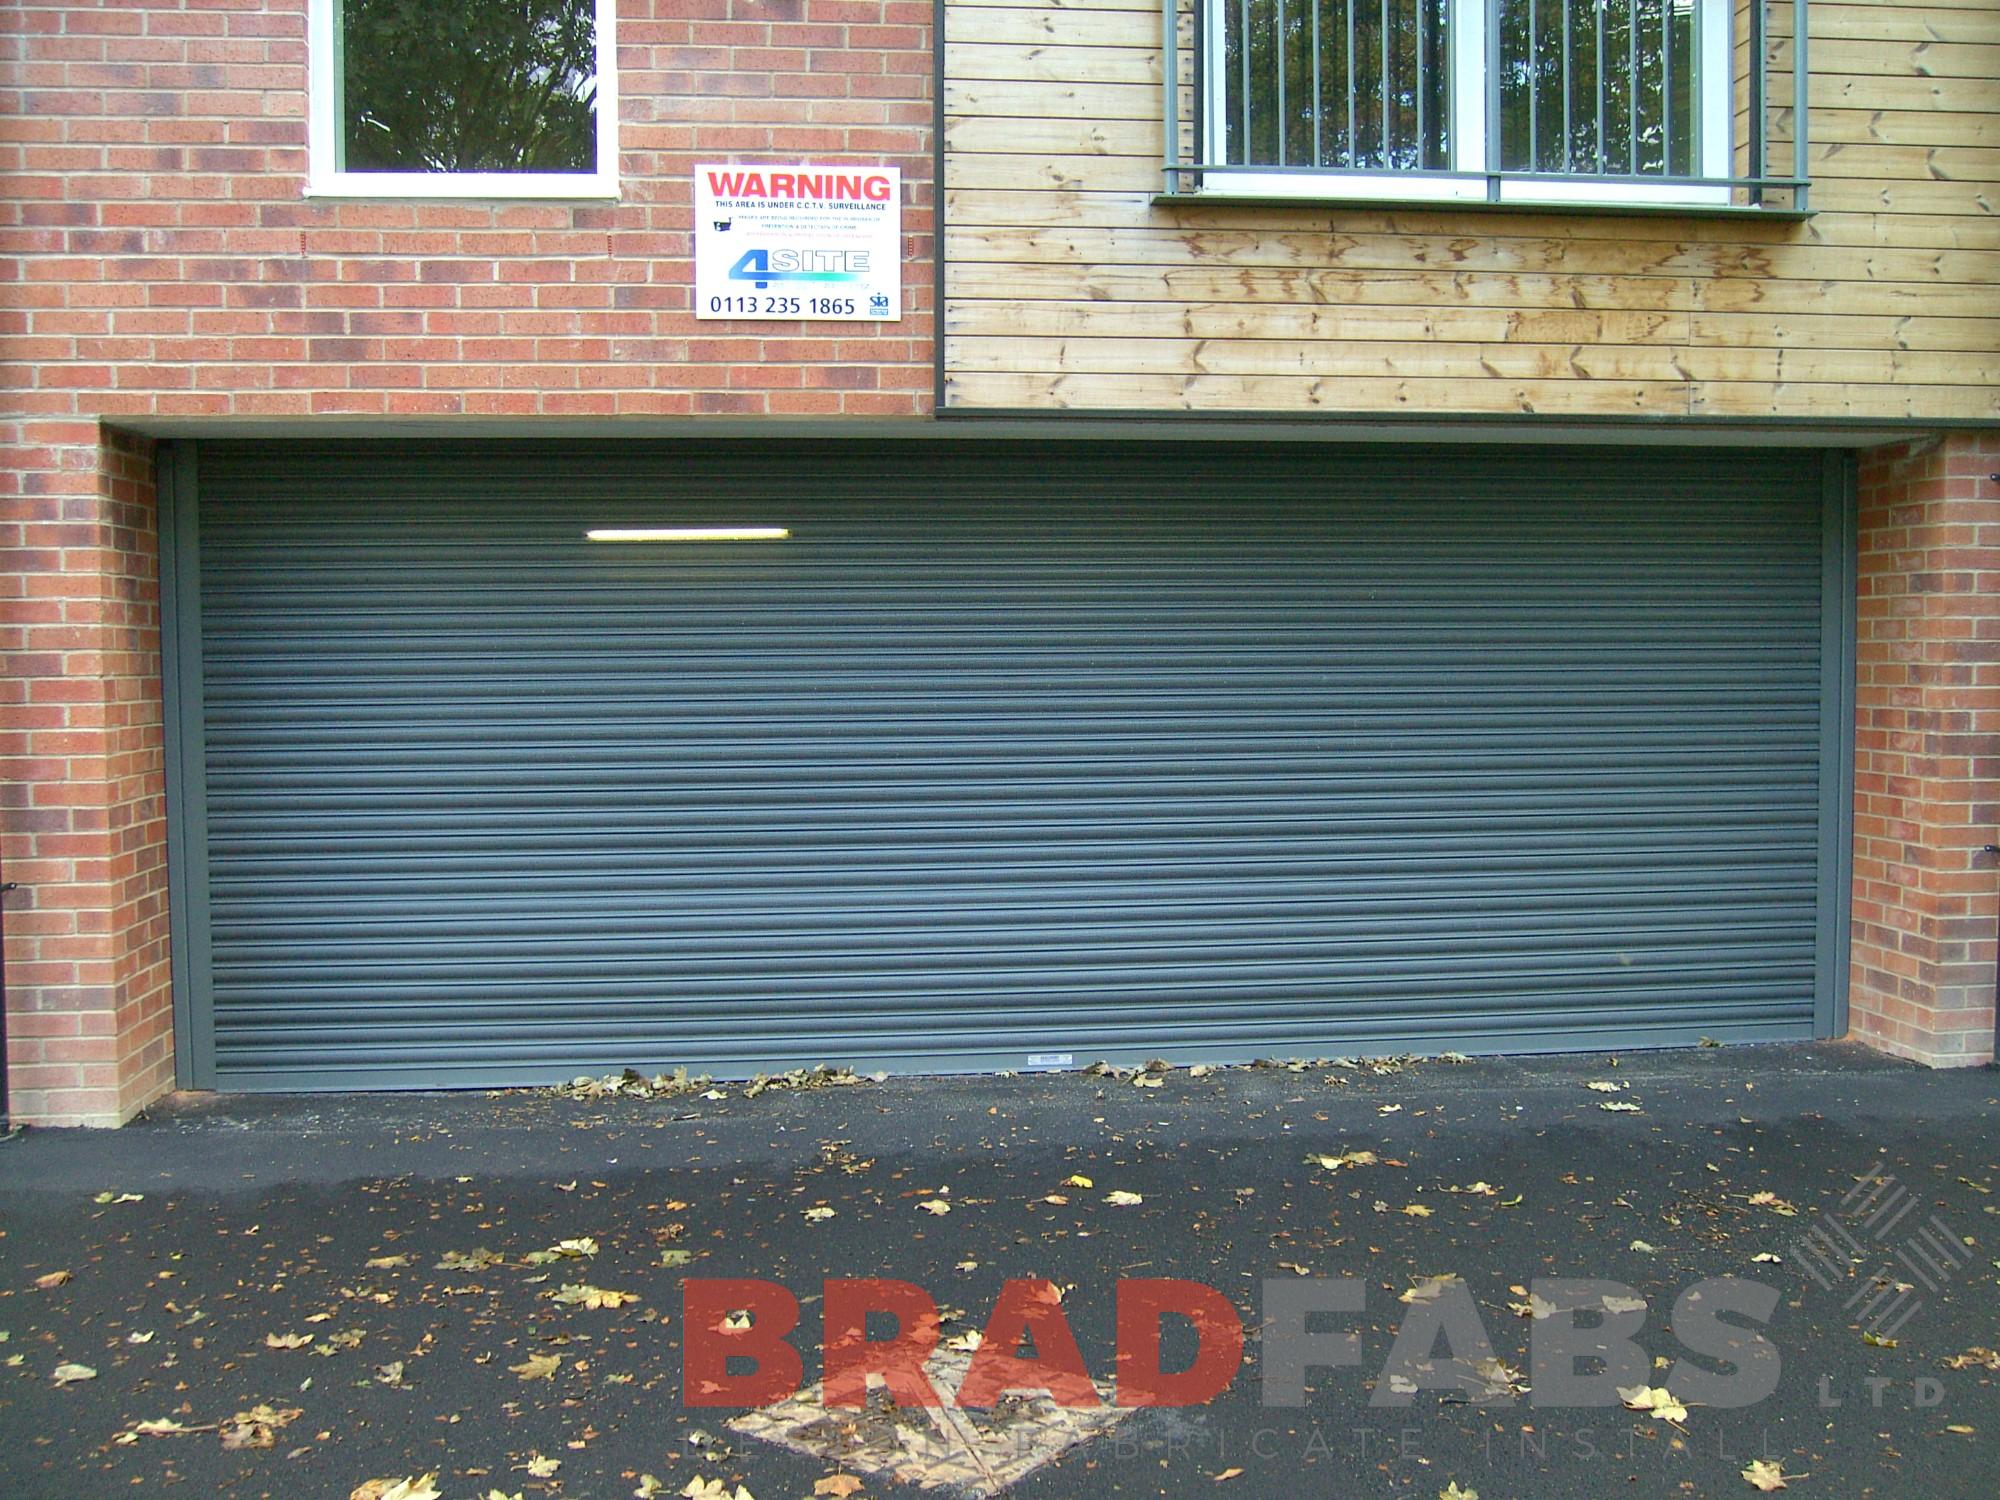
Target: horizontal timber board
{"points": [[1301, 393], [972, 209], [1472, 324], [1147, 245], [1259, 285], [1382, 359]]}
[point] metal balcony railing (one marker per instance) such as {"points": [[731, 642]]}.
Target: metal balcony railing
{"points": [[1643, 103]]}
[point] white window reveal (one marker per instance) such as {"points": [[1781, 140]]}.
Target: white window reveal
{"points": [[464, 98], [1605, 102]]}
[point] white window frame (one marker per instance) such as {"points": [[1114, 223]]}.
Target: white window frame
{"points": [[1467, 19], [326, 179]]}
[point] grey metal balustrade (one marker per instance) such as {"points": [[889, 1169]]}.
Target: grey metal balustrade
{"points": [[1663, 103]]}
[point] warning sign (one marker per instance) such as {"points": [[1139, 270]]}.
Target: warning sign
{"points": [[822, 244]]}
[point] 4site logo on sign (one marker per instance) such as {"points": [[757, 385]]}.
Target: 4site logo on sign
{"points": [[803, 242]]}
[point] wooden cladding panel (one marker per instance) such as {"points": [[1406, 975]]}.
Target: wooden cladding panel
{"points": [[1068, 287]]}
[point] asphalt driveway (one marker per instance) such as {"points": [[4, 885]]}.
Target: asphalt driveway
{"points": [[291, 1297]]}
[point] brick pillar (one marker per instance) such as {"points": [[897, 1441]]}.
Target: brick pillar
{"points": [[1927, 749], [89, 1007]]}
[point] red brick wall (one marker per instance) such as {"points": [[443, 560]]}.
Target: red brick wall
{"points": [[90, 1025], [156, 155], [158, 257], [1927, 749]]}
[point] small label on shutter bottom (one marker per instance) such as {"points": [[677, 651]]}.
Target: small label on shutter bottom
{"points": [[1051, 1059]]}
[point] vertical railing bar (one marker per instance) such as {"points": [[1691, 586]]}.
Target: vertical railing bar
{"points": [[1382, 145], [1603, 123], [1319, 99], [1278, 55], [1170, 60], [1198, 72], [1244, 11], [1534, 87], [1801, 156], [1667, 91], [1353, 122], [1569, 126], [1422, 159], [1632, 86], [1494, 163], [1758, 147]]}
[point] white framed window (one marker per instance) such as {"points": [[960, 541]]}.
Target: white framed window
{"points": [[1518, 101], [463, 98]]}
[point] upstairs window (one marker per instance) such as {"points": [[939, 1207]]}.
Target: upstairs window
{"points": [[464, 98], [1634, 102]]}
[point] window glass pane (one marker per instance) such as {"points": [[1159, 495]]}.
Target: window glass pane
{"points": [[1597, 86], [469, 85], [1360, 84]]}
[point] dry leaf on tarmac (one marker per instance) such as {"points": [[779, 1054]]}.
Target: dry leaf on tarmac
{"points": [[1477, 1190], [1076, 1180], [1122, 1199], [1345, 1159], [1417, 1211], [1975, 1358], [1620, 1107], [1767, 1474], [1453, 1492], [935, 1206], [119, 1198], [71, 1374], [469, 1260], [579, 1294], [818, 1215], [163, 1427], [387, 1262], [714, 1489], [577, 1249], [838, 1485], [1537, 1306], [1624, 1304], [1227, 1474], [1430, 1288], [1773, 1202], [501, 1495], [650, 1487], [287, 1340], [1654, 1399], [1768, 1259], [259, 1427], [422, 1488], [1605, 1086], [538, 1467], [537, 1366], [53, 1280]]}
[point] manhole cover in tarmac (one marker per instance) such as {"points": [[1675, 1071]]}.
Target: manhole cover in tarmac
{"points": [[974, 1452]]}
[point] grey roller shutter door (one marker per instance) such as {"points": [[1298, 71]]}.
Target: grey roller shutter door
{"points": [[1205, 751]]}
